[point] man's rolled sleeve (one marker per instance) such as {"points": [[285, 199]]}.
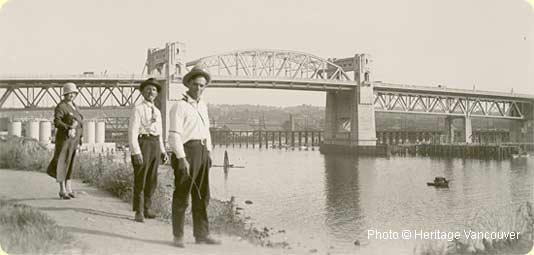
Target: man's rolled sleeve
{"points": [[209, 146], [160, 126], [133, 132], [175, 131]]}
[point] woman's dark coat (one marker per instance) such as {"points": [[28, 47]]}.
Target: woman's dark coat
{"points": [[65, 150]]}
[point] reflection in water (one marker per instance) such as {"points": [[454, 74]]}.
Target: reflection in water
{"points": [[323, 201], [343, 214]]}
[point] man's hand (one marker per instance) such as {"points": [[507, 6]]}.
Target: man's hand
{"points": [[183, 165], [137, 159], [209, 160], [164, 158], [74, 124]]}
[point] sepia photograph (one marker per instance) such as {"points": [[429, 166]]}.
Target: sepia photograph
{"points": [[266, 127]]}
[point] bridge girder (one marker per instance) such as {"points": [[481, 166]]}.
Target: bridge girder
{"points": [[403, 102], [263, 63], [96, 96]]}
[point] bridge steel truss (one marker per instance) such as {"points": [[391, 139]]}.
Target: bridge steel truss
{"points": [[47, 93], [451, 105], [279, 64]]}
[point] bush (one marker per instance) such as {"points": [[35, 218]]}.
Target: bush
{"points": [[24, 154], [28, 231], [114, 173]]}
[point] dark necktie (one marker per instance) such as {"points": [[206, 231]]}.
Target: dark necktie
{"points": [[153, 116]]}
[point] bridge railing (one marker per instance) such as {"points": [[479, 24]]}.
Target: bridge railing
{"points": [[75, 76], [454, 90]]}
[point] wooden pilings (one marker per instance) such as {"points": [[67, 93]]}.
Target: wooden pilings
{"points": [[494, 151], [268, 139]]}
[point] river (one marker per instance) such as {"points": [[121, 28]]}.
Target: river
{"points": [[329, 202]]}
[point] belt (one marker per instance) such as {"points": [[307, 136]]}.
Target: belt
{"points": [[196, 141], [147, 136]]}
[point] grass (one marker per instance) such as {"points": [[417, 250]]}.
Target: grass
{"points": [[518, 218], [24, 230], [114, 173]]}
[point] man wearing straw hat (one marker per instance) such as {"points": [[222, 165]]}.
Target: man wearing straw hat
{"points": [[146, 145], [190, 141]]}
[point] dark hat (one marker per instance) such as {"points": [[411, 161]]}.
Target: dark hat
{"points": [[152, 82], [195, 71]]}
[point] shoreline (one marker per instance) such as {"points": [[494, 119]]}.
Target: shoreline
{"points": [[105, 224], [112, 173]]}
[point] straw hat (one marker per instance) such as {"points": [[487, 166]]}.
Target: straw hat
{"points": [[197, 70], [69, 87], [151, 82]]}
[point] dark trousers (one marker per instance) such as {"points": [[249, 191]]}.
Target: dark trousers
{"points": [[146, 175], [194, 182]]}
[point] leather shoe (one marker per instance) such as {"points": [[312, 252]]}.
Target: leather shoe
{"points": [[139, 217], [149, 215], [207, 240], [63, 196], [179, 242]]}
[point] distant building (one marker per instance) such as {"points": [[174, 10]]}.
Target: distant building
{"points": [[236, 127]]}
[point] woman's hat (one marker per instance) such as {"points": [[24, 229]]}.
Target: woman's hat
{"points": [[69, 87], [151, 82], [197, 70]]}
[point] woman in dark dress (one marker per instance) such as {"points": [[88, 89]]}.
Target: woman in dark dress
{"points": [[68, 123]]}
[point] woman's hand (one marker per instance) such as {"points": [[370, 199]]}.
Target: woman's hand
{"points": [[72, 133], [74, 124]]}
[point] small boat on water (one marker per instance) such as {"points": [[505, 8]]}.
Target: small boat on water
{"points": [[523, 154], [439, 182]]}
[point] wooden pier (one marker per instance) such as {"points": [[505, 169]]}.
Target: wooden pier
{"points": [[481, 151], [268, 139]]}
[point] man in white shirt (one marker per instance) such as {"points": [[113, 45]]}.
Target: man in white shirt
{"points": [[146, 146], [190, 141]]}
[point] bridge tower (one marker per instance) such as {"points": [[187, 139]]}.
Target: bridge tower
{"points": [[166, 64], [350, 115]]}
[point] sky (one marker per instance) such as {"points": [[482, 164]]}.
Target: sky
{"points": [[488, 44]]}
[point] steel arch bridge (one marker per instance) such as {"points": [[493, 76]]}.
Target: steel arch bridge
{"points": [[274, 69], [268, 69], [281, 64]]}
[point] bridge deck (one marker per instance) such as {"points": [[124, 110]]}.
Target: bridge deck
{"points": [[132, 80]]}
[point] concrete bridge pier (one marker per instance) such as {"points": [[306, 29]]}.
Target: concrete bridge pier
{"points": [[468, 131], [522, 131], [450, 129], [100, 131], [32, 129], [15, 128], [45, 131], [351, 114], [465, 134], [89, 132], [168, 62], [529, 124]]}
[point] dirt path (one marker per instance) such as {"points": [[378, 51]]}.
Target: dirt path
{"points": [[103, 224]]}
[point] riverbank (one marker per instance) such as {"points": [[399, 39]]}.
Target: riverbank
{"points": [[112, 173], [104, 224]]}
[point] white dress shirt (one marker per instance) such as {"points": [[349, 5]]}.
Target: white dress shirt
{"points": [[145, 119], [188, 121]]}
